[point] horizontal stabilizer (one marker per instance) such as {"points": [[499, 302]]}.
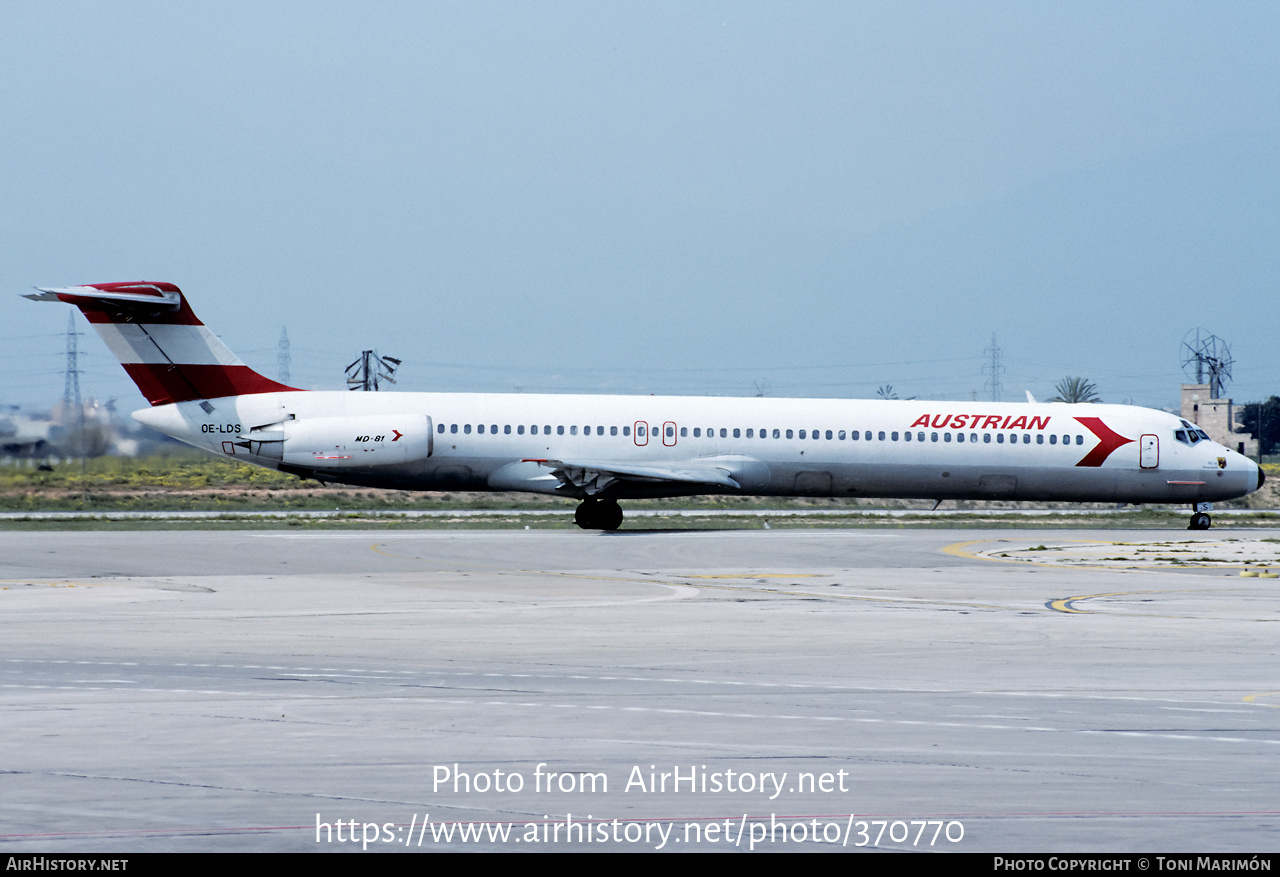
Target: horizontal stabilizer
{"points": [[132, 296]]}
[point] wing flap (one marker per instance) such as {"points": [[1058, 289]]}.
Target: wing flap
{"points": [[595, 477]]}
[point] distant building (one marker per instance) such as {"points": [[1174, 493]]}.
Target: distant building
{"points": [[25, 436], [1217, 417]]}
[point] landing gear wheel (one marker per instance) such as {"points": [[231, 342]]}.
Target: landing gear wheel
{"points": [[598, 514], [1200, 521]]}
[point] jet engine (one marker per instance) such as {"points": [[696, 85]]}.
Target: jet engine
{"points": [[327, 443]]}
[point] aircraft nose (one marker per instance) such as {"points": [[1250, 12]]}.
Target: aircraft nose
{"points": [[1262, 477]]}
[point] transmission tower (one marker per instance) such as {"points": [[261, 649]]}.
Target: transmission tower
{"points": [[370, 370], [1206, 355], [993, 369], [71, 392], [282, 358]]}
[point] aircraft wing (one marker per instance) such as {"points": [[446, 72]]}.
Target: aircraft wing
{"points": [[595, 477]]}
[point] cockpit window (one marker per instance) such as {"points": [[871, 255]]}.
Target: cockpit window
{"points": [[1181, 435]]}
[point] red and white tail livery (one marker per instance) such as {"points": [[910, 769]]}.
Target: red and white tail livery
{"points": [[600, 449], [161, 343]]}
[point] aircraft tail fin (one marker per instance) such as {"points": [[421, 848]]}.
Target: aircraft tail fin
{"points": [[161, 343]]}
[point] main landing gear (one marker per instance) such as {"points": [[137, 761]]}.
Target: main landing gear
{"points": [[598, 514], [1201, 520]]}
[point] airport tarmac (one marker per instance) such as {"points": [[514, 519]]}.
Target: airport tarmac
{"points": [[966, 690]]}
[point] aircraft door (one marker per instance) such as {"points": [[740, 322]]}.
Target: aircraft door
{"points": [[669, 434], [1149, 451], [642, 433]]}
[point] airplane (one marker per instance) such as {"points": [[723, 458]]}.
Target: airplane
{"points": [[601, 449]]}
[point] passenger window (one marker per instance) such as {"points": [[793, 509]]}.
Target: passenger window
{"points": [[453, 428], [440, 428], [933, 436], [613, 430], [697, 432], [493, 428], [854, 435], [1053, 439], [895, 436], [724, 433], [520, 430], [946, 436], [789, 434], [1040, 439], [466, 429], [920, 436], [626, 430], [506, 429], [573, 430], [986, 437], [880, 435], [1079, 439], [867, 435], [671, 432], [737, 433], [802, 433], [907, 436], [840, 435], [684, 432], [776, 434], [750, 433], [999, 438], [959, 436]]}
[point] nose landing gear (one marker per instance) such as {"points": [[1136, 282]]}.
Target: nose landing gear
{"points": [[1201, 520], [598, 514]]}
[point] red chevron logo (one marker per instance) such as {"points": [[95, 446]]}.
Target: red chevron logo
{"points": [[1108, 441]]}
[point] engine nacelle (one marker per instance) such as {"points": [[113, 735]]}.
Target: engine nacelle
{"points": [[358, 442]]}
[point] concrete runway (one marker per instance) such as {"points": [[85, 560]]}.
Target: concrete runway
{"points": [[802, 690]]}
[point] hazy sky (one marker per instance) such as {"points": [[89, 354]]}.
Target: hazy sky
{"points": [[654, 197]]}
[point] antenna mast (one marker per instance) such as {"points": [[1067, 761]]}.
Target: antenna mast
{"points": [[993, 369]]}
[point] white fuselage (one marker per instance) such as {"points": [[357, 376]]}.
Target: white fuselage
{"points": [[637, 446]]}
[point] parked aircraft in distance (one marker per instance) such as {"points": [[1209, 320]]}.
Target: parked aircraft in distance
{"points": [[600, 449]]}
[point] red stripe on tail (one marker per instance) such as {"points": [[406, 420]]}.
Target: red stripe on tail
{"points": [[163, 384]]}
